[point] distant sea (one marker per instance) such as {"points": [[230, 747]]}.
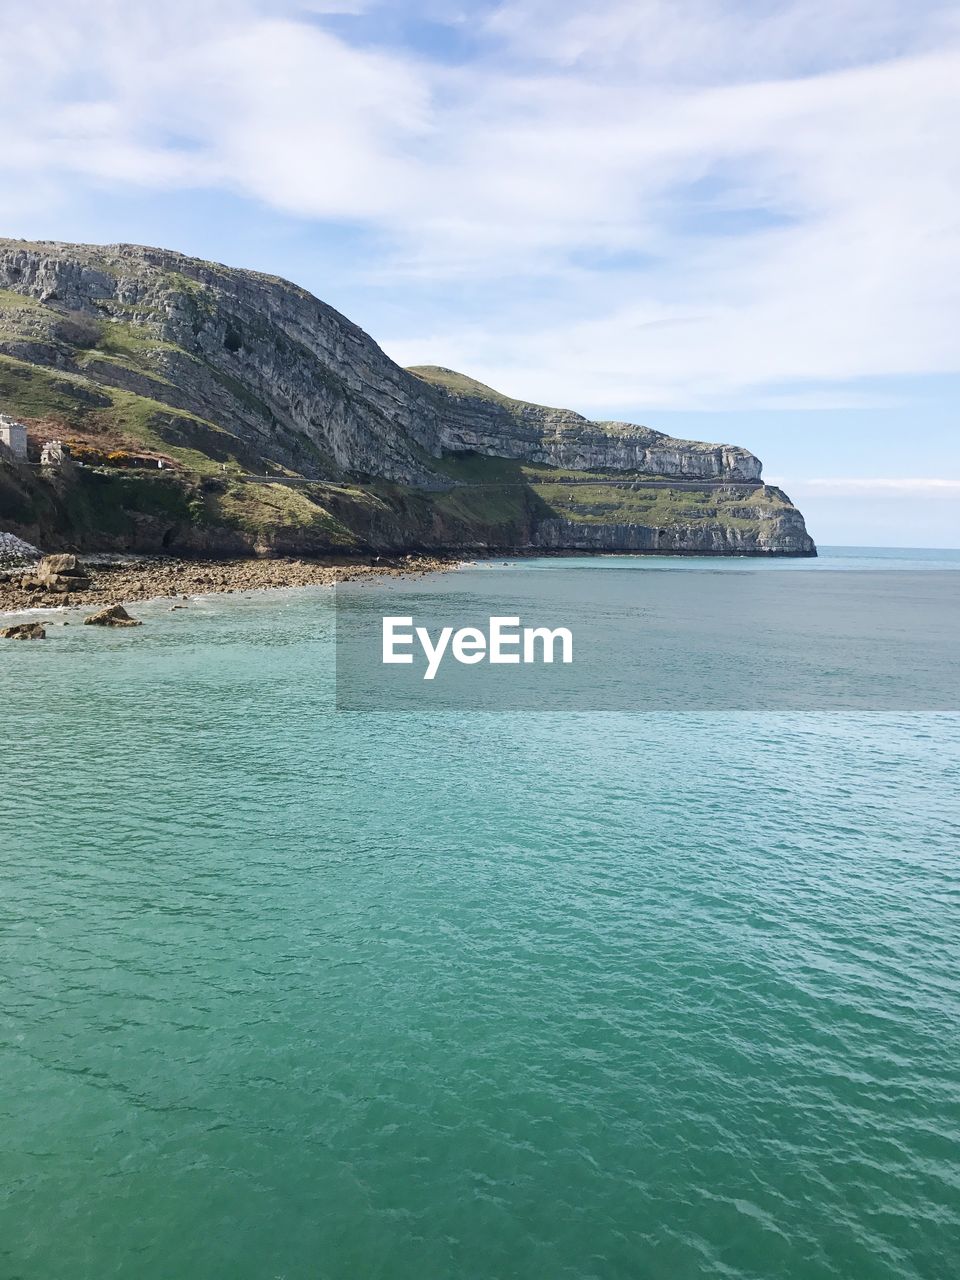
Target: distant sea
{"points": [[293, 994]]}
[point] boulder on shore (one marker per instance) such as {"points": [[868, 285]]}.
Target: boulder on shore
{"points": [[59, 573], [115, 615], [24, 631], [66, 563], [58, 582]]}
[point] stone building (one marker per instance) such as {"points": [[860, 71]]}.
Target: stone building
{"points": [[13, 434]]}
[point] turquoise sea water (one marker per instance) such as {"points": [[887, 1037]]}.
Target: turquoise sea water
{"points": [[287, 993]]}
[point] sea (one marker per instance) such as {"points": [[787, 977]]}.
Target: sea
{"points": [[296, 992]]}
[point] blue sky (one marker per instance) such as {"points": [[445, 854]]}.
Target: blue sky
{"points": [[736, 221]]}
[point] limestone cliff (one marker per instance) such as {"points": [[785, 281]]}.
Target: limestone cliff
{"points": [[213, 367], [475, 417]]}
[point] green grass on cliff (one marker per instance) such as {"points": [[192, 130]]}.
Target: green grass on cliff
{"points": [[502, 492], [459, 384], [477, 468], [195, 442], [125, 341], [483, 506], [268, 509], [200, 295], [36, 391], [498, 490], [10, 300], [30, 391], [659, 508], [97, 362], [105, 351]]}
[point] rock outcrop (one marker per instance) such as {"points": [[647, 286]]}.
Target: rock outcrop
{"points": [[59, 574], [115, 615], [65, 565], [480, 420], [218, 368], [24, 631]]}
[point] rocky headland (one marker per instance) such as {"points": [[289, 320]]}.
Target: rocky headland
{"points": [[221, 413]]}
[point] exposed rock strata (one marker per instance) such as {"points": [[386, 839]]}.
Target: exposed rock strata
{"points": [[224, 366]]}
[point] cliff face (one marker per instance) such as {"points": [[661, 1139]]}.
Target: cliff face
{"points": [[779, 533], [475, 417], [279, 374], [208, 365]]}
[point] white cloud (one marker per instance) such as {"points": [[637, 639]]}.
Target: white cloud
{"points": [[704, 41], [859, 280], [709, 227]]}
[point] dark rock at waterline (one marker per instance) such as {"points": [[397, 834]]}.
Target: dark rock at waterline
{"points": [[115, 615], [24, 631]]}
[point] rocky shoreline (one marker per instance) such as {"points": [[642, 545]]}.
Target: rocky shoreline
{"points": [[131, 581]]}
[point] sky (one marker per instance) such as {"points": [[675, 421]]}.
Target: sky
{"points": [[733, 220]]}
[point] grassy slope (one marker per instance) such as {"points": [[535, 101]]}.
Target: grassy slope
{"points": [[85, 407], [267, 510], [597, 504], [104, 509], [461, 385], [82, 407], [87, 404], [659, 508]]}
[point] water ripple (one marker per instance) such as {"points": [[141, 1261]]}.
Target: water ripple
{"points": [[294, 994]]}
